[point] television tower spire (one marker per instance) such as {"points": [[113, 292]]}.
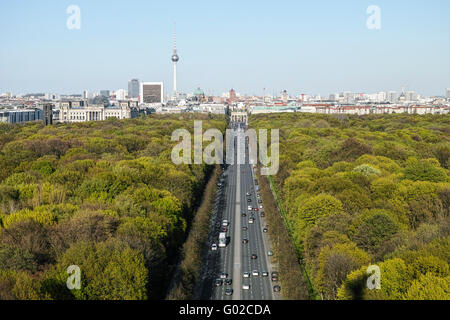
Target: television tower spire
{"points": [[175, 59]]}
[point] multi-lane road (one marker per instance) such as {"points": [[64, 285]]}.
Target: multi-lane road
{"points": [[237, 192]]}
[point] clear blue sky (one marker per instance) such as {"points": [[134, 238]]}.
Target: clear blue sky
{"points": [[313, 47]]}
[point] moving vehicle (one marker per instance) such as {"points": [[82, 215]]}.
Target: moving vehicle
{"points": [[225, 223], [250, 208], [246, 275], [276, 289], [251, 221], [228, 282], [255, 273], [270, 253], [228, 291], [223, 275], [214, 247], [219, 282], [245, 241], [244, 214], [265, 274], [265, 230], [246, 287], [245, 228], [224, 229], [254, 257], [222, 240]]}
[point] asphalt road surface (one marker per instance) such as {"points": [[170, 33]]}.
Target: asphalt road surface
{"points": [[232, 201]]}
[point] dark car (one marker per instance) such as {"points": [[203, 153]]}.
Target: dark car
{"points": [[219, 282], [254, 257], [262, 214], [265, 230], [276, 289], [249, 200], [245, 228], [259, 201], [245, 241], [229, 292], [244, 214], [228, 282], [224, 229]]}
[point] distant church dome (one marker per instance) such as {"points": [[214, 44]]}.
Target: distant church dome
{"points": [[175, 58], [199, 92]]}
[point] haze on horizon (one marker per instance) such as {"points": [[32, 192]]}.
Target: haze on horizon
{"points": [[309, 47]]}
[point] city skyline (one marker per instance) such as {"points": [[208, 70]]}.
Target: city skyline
{"points": [[306, 48]]}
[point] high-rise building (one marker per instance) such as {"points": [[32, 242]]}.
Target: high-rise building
{"points": [[232, 95], [105, 93], [447, 93], [151, 92], [133, 89], [175, 59]]}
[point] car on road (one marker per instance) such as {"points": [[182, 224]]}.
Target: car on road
{"points": [[254, 257], [261, 207], [248, 194], [229, 292], [246, 287], [245, 228], [244, 241], [265, 230], [244, 214], [214, 247], [260, 201], [224, 229], [256, 209], [249, 200], [225, 223], [250, 208], [262, 214], [270, 253], [228, 282], [246, 275], [265, 274], [219, 185], [223, 275], [219, 282], [255, 273], [276, 289], [251, 221]]}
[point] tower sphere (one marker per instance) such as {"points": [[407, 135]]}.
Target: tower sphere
{"points": [[175, 58]]}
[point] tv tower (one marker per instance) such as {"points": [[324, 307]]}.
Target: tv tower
{"points": [[175, 59]]}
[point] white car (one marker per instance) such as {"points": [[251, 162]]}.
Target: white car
{"points": [[261, 207], [225, 223], [246, 275], [214, 247], [251, 221], [246, 287], [250, 208], [255, 273]]}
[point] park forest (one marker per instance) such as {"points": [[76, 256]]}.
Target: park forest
{"points": [[104, 196], [361, 191]]}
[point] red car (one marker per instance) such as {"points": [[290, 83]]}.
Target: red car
{"points": [[256, 209]]}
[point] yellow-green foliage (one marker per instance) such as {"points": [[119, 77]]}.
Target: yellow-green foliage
{"points": [[380, 182]]}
